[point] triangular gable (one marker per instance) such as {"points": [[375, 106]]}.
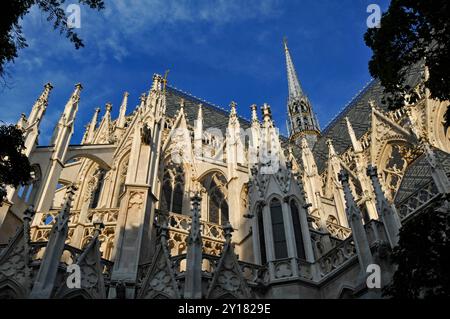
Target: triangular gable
{"points": [[14, 263], [228, 280], [91, 269], [160, 279], [383, 130]]}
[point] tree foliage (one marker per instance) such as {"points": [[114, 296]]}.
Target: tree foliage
{"points": [[423, 256], [12, 38], [412, 32], [15, 168]]}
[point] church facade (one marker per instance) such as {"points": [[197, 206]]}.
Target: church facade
{"points": [[181, 199]]}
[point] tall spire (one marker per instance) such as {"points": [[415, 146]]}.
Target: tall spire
{"points": [[91, 127], [295, 89], [41, 105], [123, 109], [302, 120]]}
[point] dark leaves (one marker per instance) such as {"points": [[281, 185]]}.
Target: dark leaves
{"points": [[11, 36], [412, 31], [15, 168], [423, 256]]}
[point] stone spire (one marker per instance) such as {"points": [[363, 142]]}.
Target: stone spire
{"points": [[355, 143], [302, 120], [355, 221], [267, 115], [45, 279], [65, 123], [193, 283], [255, 119], [123, 110], [91, 127], [233, 113], [361, 163], [61, 140], [40, 105], [198, 132], [386, 211], [333, 187]]}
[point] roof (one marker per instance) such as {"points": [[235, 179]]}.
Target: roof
{"points": [[418, 175], [213, 116], [358, 112]]}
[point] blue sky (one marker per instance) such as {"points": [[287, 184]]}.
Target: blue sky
{"points": [[218, 50]]}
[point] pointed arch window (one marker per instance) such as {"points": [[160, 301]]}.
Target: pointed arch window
{"points": [[172, 190], [98, 189], [262, 238], [218, 206], [279, 235], [297, 230]]}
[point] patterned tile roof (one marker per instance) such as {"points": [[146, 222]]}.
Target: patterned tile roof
{"points": [[213, 116], [359, 113], [418, 175]]}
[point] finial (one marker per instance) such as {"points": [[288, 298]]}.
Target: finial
{"points": [[343, 177], [227, 230], [48, 86], [267, 113], [79, 86], [285, 42], [182, 103], [98, 227], [29, 213], [372, 171], [108, 107]]}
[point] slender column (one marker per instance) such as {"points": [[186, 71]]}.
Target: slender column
{"points": [[387, 213], [356, 224], [45, 279], [193, 277]]}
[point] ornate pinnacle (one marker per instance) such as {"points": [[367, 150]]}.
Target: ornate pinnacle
{"points": [[254, 109], [227, 231], [98, 227], [28, 214]]}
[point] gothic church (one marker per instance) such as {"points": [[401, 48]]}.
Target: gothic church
{"points": [[178, 198]]}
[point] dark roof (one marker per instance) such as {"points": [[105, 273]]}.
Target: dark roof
{"points": [[418, 175], [358, 112], [213, 116]]}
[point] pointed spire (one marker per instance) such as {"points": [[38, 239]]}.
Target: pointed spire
{"points": [[72, 104], [233, 119], [386, 211], [182, 101], [200, 112], [266, 113], [302, 120], [45, 279], [91, 127], [354, 217], [233, 112], [123, 110], [254, 109], [65, 123], [199, 123], [356, 144], [142, 100], [295, 89], [193, 283], [40, 105], [198, 133], [331, 150], [22, 123]]}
